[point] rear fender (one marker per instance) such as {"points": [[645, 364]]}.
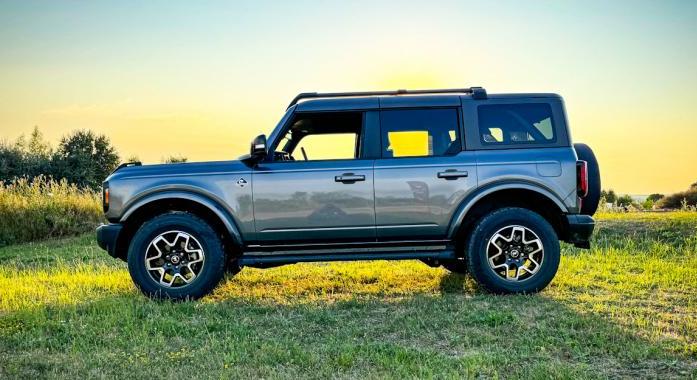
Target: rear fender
{"points": [[469, 202]]}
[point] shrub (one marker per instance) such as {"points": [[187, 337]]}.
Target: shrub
{"points": [[43, 208], [683, 199]]}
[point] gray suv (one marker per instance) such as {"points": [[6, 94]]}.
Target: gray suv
{"points": [[477, 183]]}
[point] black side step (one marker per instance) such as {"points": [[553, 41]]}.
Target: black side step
{"points": [[273, 260]]}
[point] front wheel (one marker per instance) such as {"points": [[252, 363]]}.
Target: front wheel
{"points": [[176, 255], [513, 250]]}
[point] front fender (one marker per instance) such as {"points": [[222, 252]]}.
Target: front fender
{"points": [[210, 201], [469, 202]]}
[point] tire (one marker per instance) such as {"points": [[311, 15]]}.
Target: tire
{"points": [[515, 220], [590, 202], [173, 228], [458, 266]]}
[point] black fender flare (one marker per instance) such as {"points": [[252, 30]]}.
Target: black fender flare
{"points": [[210, 201], [472, 199]]}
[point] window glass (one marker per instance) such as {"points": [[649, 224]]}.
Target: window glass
{"points": [[328, 146], [516, 123], [321, 136], [417, 133]]}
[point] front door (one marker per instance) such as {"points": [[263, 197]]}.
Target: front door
{"points": [[316, 187], [423, 174]]}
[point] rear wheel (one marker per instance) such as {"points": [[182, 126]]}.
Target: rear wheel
{"points": [[513, 250], [176, 255]]}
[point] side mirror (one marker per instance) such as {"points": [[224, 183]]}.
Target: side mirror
{"points": [[258, 148]]}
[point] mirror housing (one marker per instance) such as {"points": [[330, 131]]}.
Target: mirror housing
{"points": [[258, 149]]}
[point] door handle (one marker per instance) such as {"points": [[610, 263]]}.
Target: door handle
{"points": [[452, 174], [349, 178]]}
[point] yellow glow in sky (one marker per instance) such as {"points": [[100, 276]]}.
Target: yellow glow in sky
{"points": [[200, 79]]}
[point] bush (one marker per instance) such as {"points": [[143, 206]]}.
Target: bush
{"points": [[680, 200], [43, 208]]}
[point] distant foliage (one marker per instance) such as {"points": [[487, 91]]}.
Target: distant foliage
{"points": [[44, 208], [682, 200], [609, 196], [175, 159], [81, 158], [84, 159]]}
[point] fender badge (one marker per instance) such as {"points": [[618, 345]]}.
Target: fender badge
{"points": [[241, 182]]}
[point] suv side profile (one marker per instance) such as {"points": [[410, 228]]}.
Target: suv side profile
{"points": [[477, 183]]}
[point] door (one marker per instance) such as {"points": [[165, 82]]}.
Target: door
{"points": [[316, 186], [423, 173]]}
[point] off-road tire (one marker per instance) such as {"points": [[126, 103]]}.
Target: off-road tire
{"points": [[213, 268], [488, 225]]}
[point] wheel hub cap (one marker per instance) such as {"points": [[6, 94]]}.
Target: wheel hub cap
{"points": [[515, 253], [174, 259]]}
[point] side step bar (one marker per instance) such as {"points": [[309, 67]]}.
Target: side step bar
{"points": [[267, 260]]}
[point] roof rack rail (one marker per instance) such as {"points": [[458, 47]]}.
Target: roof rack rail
{"points": [[477, 93]]}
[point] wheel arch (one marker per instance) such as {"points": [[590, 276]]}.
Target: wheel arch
{"points": [[508, 194], [161, 202]]}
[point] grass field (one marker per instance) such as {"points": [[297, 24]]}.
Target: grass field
{"points": [[626, 308]]}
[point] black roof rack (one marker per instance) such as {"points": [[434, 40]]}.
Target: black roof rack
{"points": [[477, 93]]}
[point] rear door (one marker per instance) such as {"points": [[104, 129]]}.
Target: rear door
{"points": [[422, 174]]}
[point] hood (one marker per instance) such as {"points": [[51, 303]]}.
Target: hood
{"points": [[179, 169]]}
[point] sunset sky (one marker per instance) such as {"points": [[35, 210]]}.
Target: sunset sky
{"points": [[201, 78]]}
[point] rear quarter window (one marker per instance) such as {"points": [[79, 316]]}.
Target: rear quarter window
{"points": [[516, 124]]}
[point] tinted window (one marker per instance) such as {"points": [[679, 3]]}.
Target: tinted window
{"points": [[516, 124], [414, 133]]}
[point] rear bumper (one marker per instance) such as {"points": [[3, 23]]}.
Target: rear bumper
{"points": [[107, 235], [580, 230]]}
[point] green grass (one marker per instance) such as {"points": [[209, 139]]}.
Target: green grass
{"points": [[626, 308]]}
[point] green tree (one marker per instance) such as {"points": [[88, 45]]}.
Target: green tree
{"points": [[84, 159], [654, 197], [609, 195], [624, 201]]}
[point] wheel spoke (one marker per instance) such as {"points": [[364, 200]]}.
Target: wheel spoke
{"points": [[515, 253], [174, 259]]}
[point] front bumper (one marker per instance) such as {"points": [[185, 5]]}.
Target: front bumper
{"points": [[580, 230], [107, 236]]}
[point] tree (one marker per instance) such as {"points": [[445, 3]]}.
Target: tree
{"points": [[175, 159], [654, 197], [84, 159], [609, 195], [625, 201]]}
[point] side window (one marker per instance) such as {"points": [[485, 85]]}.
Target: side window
{"points": [[328, 146], [419, 132], [511, 124], [317, 136]]}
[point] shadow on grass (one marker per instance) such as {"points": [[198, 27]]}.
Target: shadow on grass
{"points": [[458, 332]]}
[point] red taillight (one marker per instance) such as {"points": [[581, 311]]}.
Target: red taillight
{"points": [[581, 178]]}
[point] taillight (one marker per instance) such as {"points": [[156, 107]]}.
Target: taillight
{"points": [[581, 178], [105, 197]]}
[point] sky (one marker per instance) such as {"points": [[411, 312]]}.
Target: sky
{"points": [[202, 78]]}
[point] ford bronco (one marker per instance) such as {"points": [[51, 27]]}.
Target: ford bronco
{"points": [[474, 182]]}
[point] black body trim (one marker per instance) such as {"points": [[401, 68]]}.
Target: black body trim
{"points": [[580, 230], [268, 261], [107, 235]]}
